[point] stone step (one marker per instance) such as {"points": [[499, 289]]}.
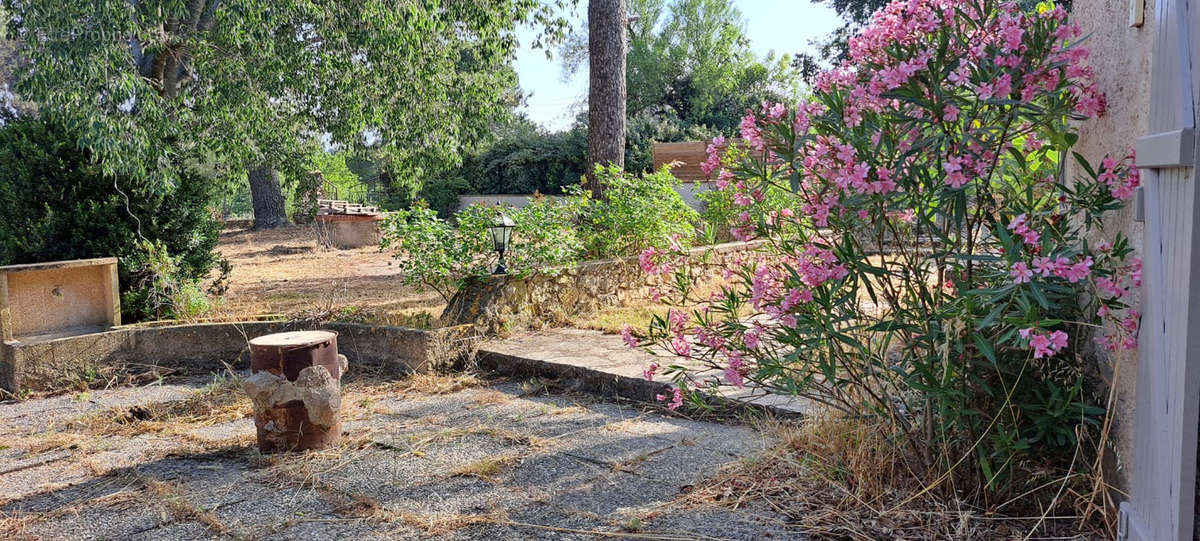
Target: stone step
{"points": [[594, 362]]}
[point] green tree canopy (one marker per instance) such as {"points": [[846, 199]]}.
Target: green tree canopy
{"points": [[156, 86]]}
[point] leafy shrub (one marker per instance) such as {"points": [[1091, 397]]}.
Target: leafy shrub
{"points": [[305, 203], [528, 160], [721, 211], [437, 254], [550, 233], [635, 212], [939, 146], [56, 204], [442, 194], [658, 125], [162, 287], [432, 252], [545, 237]]}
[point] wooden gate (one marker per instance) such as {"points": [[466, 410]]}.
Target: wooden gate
{"points": [[1168, 395]]}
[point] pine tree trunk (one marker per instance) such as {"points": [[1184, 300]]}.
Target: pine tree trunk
{"points": [[269, 205], [606, 95]]}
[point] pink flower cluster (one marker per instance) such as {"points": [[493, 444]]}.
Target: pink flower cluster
{"points": [[1064, 268], [1125, 337], [655, 261], [772, 290], [715, 148], [676, 398], [832, 169], [1044, 345], [917, 148], [628, 337], [733, 372], [1122, 178], [1020, 226], [649, 371], [1116, 288]]}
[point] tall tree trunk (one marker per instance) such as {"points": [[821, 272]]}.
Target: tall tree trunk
{"points": [[269, 205], [606, 93]]}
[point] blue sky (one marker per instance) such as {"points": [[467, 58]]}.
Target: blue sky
{"points": [[784, 26]]}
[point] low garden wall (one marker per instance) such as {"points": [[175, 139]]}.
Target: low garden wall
{"points": [[499, 303], [62, 363], [689, 190], [507, 200]]}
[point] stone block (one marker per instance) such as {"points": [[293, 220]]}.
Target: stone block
{"points": [[346, 231], [58, 298]]}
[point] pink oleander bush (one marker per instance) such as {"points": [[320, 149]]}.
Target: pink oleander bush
{"points": [[935, 268]]}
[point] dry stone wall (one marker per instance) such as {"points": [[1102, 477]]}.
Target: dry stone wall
{"points": [[496, 304]]}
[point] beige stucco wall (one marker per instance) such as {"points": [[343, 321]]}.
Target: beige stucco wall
{"points": [[1121, 57]]}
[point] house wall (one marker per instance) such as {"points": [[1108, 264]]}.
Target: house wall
{"points": [[1120, 55]]}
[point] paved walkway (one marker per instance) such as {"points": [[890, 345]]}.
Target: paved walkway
{"points": [[597, 362], [422, 459]]}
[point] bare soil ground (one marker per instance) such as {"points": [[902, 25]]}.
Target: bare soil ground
{"points": [[285, 271]]}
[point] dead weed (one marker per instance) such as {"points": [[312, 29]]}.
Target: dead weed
{"points": [[841, 478]]}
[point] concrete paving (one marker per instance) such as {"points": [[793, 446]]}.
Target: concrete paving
{"points": [[503, 460], [593, 361]]}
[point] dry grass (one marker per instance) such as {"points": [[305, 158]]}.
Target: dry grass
{"points": [[50, 441], [487, 468], [489, 397], [839, 478], [359, 386], [638, 313], [612, 320], [285, 271], [220, 401], [14, 526], [182, 510], [435, 525], [308, 470]]}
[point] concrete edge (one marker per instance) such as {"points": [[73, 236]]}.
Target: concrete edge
{"points": [[59, 364], [614, 385]]}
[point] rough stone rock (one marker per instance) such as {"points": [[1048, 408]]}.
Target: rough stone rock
{"points": [[315, 386]]}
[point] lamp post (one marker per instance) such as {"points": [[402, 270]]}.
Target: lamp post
{"points": [[501, 232]]}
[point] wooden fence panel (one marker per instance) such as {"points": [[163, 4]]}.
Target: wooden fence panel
{"points": [[1168, 387]]}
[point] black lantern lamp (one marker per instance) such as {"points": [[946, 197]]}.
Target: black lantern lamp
{"points": [[501, 231]]}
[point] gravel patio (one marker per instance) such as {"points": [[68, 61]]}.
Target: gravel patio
{"points": [[423, 457]]}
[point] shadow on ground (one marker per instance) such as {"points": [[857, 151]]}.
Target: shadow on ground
{"points": [[423, 458]]}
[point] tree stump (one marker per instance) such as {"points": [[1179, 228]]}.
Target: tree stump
{"points": [[295, 385]]}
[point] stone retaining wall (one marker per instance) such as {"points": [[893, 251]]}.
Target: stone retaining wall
{"points": [[58, 364], [506, 302]]}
